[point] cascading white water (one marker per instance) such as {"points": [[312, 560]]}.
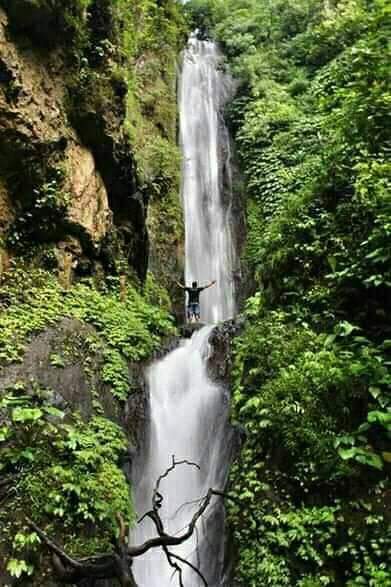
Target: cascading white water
{"points": [[189, 415], [206, 178], [189, 412]]}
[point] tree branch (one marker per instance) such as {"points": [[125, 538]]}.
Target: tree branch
{"points": [[157, 498], [186, 562], [100, 566], [167, 540], [118, 564], [53, 546]]}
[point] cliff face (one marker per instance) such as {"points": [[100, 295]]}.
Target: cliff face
{"points": [[89, 188], [43, 157], [79, 128]]}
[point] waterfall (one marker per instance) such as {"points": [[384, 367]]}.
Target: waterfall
{"points": [[189, 416], [188, 412], [206, 178]]}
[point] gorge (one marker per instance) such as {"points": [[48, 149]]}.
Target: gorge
{"points": [[135, 155]]}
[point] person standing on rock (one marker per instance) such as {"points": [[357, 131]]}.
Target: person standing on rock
{"points": [[193, 302]]}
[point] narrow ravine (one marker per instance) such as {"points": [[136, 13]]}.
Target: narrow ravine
{"points": [[188, 412]]}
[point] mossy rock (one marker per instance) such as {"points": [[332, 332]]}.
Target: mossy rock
{"points": [[44, 21]]}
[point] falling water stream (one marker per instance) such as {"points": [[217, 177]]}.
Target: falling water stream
{"points": [[188, 411], [206, 178]]}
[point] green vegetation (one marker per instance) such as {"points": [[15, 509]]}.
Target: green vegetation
{"points": [[43, 216], [66, 476], [311, 367], [311, 379], [59, 468], [129, 62], [130, 50], [116, 66], [151, 120], [128, 330], [311, 479]]}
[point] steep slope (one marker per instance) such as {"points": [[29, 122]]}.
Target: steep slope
{"points": [[88, 167], [311, 122], [88, 119]]}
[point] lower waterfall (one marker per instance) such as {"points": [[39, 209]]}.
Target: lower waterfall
{"points": [[188, 419]]}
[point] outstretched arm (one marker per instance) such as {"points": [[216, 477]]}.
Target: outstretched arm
{"points": [[210, 284]]}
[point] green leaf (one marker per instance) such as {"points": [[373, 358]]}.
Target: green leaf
{"points": [[382, 418], [26, 414], [4, 433], [17, 567], [347, 453], [374, 391], [346, 328], [369, 458], [52, 411], [332, 262]]}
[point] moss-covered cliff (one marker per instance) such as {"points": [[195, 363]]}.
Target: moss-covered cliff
{"points": [[89, 202], [311, 367], [88, 132], [71, 406]]}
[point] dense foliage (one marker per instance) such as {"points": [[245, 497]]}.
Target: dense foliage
{"points": [[59, 465], [311, 121], [66, 476], [127, 330]]}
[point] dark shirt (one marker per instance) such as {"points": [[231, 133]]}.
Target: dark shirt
{"points": [[194, 294]]}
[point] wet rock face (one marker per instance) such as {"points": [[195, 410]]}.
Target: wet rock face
{"points": [[59, 359], [220, 367], [55, 359], [220, 360], [43, 20], [189, 328]]}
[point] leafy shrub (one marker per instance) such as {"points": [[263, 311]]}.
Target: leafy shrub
{"points": [[128, 331], [67, 475], [311, 125]]}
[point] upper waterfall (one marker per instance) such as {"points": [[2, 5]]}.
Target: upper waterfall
{"points": [[206, 177]]}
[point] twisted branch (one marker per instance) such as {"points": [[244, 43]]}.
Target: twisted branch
{"points": [[117, 564]]}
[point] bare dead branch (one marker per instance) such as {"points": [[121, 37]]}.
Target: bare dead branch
{"points": [[118, 564], [122, 528], [174, 565], [157, 498], [166, 539], [186, 562], [52, 545], [71, 570]]}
